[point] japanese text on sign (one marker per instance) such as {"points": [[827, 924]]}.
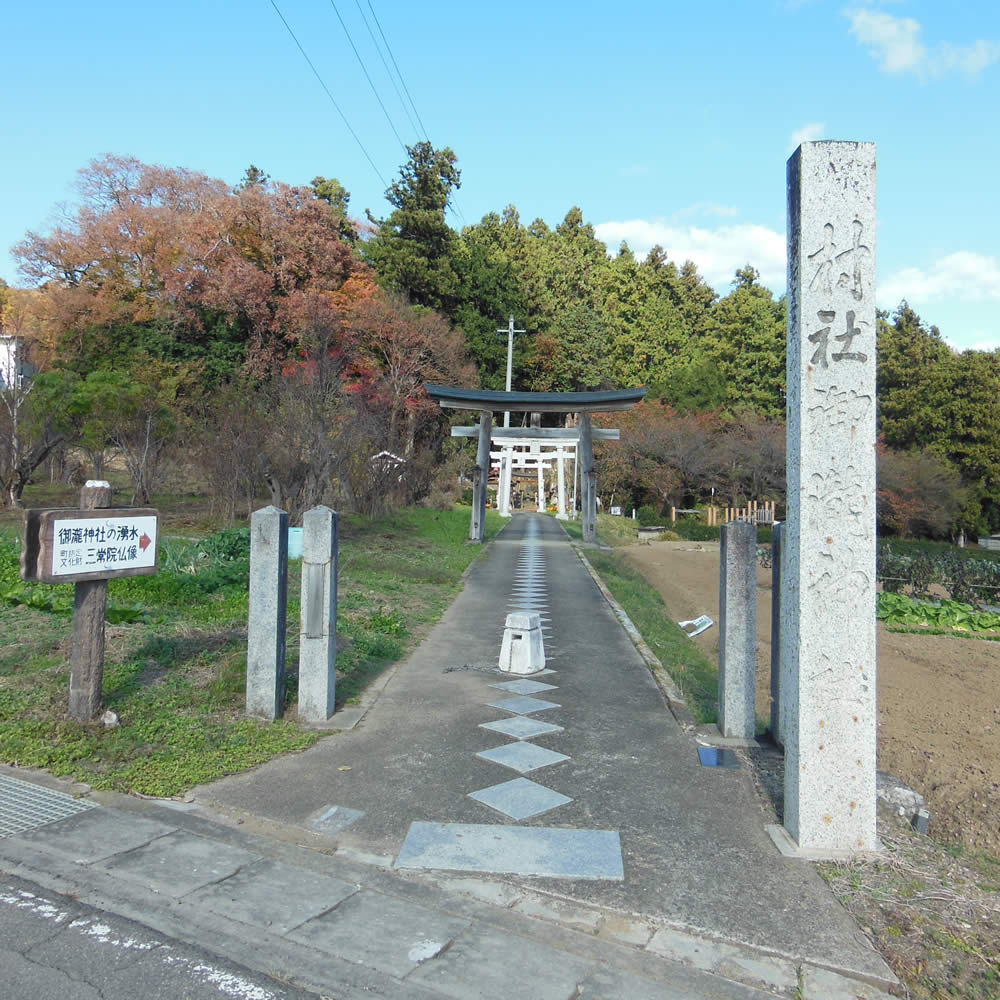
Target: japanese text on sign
{"points": [[91, 545]]}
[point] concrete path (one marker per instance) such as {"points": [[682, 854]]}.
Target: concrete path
{"points": [[458, 843]]}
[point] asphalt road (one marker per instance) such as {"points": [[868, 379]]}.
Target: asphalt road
{"points": [[53, 948]]}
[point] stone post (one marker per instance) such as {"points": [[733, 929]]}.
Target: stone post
{"points": [[479, 482], [561, 485], [90, 604], [828, 576], [541, 488], [318, 625], [776, 678], [737, 630], [266, 620], [587, 477]]}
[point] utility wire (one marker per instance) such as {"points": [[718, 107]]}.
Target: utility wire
{"points": [[385, 65], [361, 145], [401, 80], [453, 204], [364, 70]]}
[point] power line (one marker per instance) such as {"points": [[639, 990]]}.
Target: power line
{"points": [[364, 70], [388, 49], [385, 65], [361, 145]]}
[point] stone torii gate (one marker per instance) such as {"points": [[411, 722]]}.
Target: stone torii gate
{"points": [[490, 401]]}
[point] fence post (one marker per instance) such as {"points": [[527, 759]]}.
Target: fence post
{"points": [[267, 609], [737, 630]]}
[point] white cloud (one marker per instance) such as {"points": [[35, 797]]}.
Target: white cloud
{"points": [[717, 253], [709, 208], [962, 276], [895, 43], [808, 133]]}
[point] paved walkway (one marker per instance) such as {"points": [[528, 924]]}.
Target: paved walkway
{"points": [[476, 836]]}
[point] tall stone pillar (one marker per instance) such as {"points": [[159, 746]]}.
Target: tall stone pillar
{"points": [[776, 678], [588, 495], [828, 571], [541, 487], [481, 478]]}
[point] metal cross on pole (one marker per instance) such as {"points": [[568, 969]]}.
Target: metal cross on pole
{"points": [[510, 331]]}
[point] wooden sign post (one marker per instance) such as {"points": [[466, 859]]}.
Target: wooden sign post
{"points": [[87, 547]]}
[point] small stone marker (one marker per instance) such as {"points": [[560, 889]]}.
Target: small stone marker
{"points": [[522, 649], [87, 547], [828, 572], [776, 679], [737, 630], [318, 632], [266, 619]]}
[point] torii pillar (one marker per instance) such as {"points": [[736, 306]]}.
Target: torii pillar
{"points": [[481, 477], [588, 479]]}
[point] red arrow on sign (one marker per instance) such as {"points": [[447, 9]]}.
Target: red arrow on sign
{"points": [[144, 541]]}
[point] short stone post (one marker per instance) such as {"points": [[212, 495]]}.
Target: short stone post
{"points": [[90, 604], [318, 628], [737, 630], [775, 724], [828, 579], [266, 620], [503, 488]]}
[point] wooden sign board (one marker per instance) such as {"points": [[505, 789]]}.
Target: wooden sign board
{"points": [[70, 546]]}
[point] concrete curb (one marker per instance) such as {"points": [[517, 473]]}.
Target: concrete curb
{"points": [[650, 949]]}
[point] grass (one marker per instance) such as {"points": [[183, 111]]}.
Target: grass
{"points": [[690, 669], [175, 666]]}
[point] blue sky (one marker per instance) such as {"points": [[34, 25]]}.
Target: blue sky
{"points": [[664, 122]]}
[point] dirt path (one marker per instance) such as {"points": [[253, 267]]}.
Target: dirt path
{"points": [[939, 697]]}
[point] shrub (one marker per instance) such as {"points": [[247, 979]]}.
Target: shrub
{"points": [[646, 516]]}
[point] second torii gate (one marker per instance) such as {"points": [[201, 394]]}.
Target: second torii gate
{"points": [[582, 403]]}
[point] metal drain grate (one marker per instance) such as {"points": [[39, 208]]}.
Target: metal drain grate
{"points": [[23, 806]]}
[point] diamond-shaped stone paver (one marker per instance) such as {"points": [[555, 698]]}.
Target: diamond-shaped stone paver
{"points": [[524, 705], [523, 687], [521, 727], [520, 798], [522, 757]]}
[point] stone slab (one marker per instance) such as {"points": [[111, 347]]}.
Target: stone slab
{"points": [[524, 687], [821, 984], [381, 931], [272, 895], [96, 834], [178, 863], [730, 961], [521, 727], [549, 851], [502, 967], [520, 799], [523, 705], [522, 757]]}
